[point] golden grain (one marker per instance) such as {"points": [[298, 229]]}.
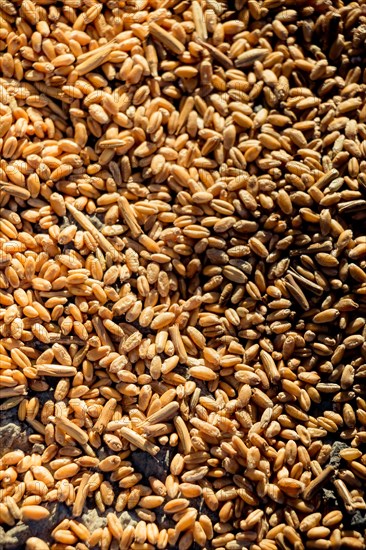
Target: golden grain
{"points": [[182, 253]]}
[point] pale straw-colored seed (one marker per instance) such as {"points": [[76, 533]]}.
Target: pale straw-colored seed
{"points": [[139, 441], [167, 39], [72, 429]]}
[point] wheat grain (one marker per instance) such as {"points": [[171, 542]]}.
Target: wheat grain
{"points": [[183, 267]]}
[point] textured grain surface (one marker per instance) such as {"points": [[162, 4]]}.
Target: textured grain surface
{"points": [[182, 274]]}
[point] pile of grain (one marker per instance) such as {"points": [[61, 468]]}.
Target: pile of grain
{"points": [[183, 253]]}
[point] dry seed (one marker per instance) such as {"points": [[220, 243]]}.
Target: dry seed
{"points": [[215, 198], [35, 543], [34, 513]]}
